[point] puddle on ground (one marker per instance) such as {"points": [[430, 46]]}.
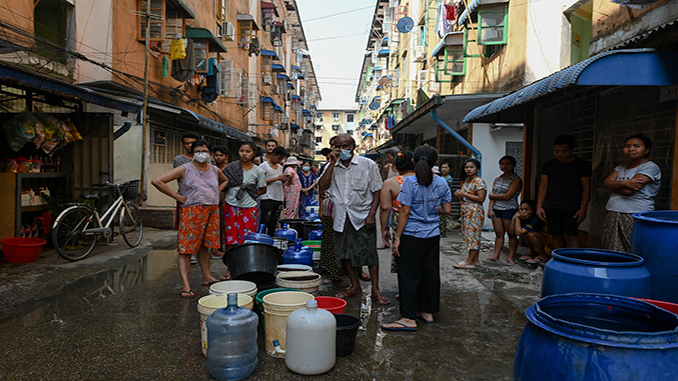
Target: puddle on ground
{"points": [[77, 297]]}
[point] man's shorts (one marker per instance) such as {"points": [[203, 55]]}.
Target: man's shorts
{"points": [[562, 221]]}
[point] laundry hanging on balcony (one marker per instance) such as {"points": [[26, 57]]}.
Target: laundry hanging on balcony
{"points": [[185, 69]]}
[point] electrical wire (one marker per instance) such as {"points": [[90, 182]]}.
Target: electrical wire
{"points": [[337, 14]]}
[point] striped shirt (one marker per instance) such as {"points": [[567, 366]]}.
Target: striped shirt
{"points": [[502, 186]]}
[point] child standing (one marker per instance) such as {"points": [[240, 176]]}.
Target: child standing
{"points": [[472, 194]]}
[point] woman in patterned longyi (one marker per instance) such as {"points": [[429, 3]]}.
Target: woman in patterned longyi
{"points": [[473, 191]]}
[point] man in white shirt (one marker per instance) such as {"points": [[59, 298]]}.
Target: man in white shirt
{"points": [[354, 185], [272, 200]]}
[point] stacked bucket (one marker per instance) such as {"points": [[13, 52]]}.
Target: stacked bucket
{"points": [[600, 316]]}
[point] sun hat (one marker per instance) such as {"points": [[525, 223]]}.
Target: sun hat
{"points": [[435, 170], [292, 160]]}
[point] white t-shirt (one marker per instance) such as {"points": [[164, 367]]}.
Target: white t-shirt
{"points": [[641, 201], [274, 190]]}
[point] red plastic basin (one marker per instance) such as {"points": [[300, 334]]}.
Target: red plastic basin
{"points": [[671, 307], [22, 250], [332, 304]]}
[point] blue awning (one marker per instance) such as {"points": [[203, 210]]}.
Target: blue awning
{"points": [[383, 53], [453, 38], [294, 125], [295, 67], [305, 112], [277, 67], [471, 8], [282, 76], [632, 67], [300, 76], [274, 55], [15, 76], [291, 86], [376, 98], [278, 108], [268, 100], [294, 96]]}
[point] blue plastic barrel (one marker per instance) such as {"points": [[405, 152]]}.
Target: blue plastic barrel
{"points": [[597, 337], [573, 270], [655, 238]]}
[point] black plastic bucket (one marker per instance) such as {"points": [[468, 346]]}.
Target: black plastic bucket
{"points": [[347, 329]]}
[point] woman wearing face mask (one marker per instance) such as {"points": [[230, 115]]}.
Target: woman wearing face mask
{"points": [[308, 182], [246, 182], [200, 184]]}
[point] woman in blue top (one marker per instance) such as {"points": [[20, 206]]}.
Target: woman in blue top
{"points": [[417, 241]]}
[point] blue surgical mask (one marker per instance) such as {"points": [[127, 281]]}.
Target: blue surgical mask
{"points": [[305, 169], [345, 154]]}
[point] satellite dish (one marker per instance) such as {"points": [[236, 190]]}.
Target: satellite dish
{"points": [[374, 105], [405, 25], [383, 81]]}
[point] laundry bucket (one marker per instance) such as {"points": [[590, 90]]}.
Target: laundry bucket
{"points": [[234, 286], [292, 267], [315, 246], [22, 249], [277, 307], [347, 329], [301, 280], [671, 307], [332, 304], [259, 302], [210, 303]]}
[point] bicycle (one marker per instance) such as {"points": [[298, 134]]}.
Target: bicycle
{"points": [[77, 229]]}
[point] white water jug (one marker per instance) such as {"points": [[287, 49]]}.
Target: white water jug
{"points": [[311, 340]]}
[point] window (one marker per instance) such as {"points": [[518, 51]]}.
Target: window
{"points": [[266, 63], [245, 31], [221, 10], [350, 118], [350, 132], [200, 51], [156, 22], [492, 22], [335, 116], [52, 23], [319, 116], [336, 127], [318, 139]]}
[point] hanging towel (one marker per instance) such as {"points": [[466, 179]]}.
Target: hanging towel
{"points": [[165, 66], [210, 91], [184, 69], [210, 66], [451, 12], [177, 50]]}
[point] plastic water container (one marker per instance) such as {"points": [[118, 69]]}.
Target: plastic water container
{"points": [[237, 286], [210, 303], [313, 215], [277, 307], [311, 340], [232, 341], [300, 280], [286, 232], [298, 254], [259, 237], [316, 235]]}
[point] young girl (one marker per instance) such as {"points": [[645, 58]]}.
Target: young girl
{"points": [[417, 241], [444, 218], [503, 206], [528, 225], [292, 188], [246, 182], [472, 193], [308, 182], [633, 188]]}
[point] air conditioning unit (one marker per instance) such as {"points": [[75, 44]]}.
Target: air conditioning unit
{"points": [[266, 79], [419, 53], [227, 31]]}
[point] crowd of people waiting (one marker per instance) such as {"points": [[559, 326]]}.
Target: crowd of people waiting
{"points": [[217, 205]]}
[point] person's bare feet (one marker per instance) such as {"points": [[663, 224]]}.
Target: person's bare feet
{"points": [[401, 325], [425, 316]]}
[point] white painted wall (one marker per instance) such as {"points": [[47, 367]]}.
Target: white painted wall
{"points": [[94, 39], [547, 38], [492, 146]]}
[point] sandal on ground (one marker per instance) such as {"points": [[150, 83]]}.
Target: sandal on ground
{"points": [[194, 260], [463, 265], [535, 260], [332, 281], [525, 257], [348, 293], [490, 260], [365, 276], [187, 294], [381, 300], [510, 262], [225, 277], [425, 321], [402, 328]]}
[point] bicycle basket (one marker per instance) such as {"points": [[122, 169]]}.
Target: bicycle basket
{"points": [[130, 190]]}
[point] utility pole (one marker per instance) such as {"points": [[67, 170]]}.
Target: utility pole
{"points": [[144, 127]]}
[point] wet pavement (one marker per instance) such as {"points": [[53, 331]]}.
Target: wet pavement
{"points": [[118, 315]]}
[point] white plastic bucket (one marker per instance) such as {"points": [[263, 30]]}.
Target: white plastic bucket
{"points": [[210, 303], [277, 307], [234, 286], [300, 280], [292, 267]]}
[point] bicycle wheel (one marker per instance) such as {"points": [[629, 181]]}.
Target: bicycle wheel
{"points": [[131, 227], [68, 238]]}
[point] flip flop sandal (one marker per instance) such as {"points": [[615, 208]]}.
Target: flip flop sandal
{"points": [[347, 294], [225, 277], [365, 276], [535, 260], [381, 300], [187, 294], [403, 328], [463, 265], [425, 321], [490, 260], [510, 263], [526, 257]]}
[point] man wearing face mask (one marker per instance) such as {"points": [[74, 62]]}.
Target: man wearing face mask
{"points": [[354, 185]]}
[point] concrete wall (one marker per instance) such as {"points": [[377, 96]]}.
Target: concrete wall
{"points": [[547, 39], [492, 145], [94, 37]]}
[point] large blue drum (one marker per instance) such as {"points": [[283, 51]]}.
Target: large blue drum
{"points": [[597, 338], [655, 238], [596, 271]]}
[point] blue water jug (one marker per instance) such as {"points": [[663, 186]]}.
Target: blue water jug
{"points": [[313, 215], [286, 232], [316, 235], [298, 254], [259, 237], [232, 341]]}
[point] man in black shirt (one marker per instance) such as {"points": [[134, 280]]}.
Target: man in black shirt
{"points": [[564, 193]]}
